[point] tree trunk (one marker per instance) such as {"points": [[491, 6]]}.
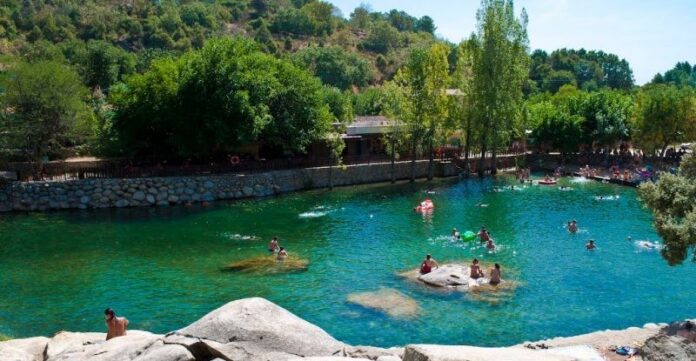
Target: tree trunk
{"points": [[430, 160], [413, 160], [494, 166], [467, 145], [481, 167], [393, 159]]}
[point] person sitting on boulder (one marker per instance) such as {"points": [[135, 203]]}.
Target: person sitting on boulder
{"points": [[476, 271], [688, 332], [428, 264], [282, 254], [273, 246], [116, 326], [495, 275]]}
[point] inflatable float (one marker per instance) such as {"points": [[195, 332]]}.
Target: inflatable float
{"points": [[469, 236], [426, 205], [547, 182]]}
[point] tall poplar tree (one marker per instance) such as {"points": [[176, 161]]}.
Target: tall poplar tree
{"points": [[501, 67]]}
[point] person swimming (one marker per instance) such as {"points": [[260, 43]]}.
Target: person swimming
{"points": [[475, 270], [455, 235], [573, 226], [282, 254], [495, 275], [273, 245], [490, 245], [428, 264], [591, 245], [484, 235]]}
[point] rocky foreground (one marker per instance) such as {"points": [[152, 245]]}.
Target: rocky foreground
{"points": [[255, 329]]}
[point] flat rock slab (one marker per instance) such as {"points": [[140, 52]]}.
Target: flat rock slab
{"points": [[387, 300], [469, 353]]}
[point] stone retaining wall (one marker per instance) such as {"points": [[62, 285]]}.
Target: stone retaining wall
{"points": [[144, 192]]}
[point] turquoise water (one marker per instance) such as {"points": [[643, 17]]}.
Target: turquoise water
{"points": [[161, 267]]}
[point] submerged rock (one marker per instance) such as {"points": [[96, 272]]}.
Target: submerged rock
{"points": [[269, 264], [389, 301]]}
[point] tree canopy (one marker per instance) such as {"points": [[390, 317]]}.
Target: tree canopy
{"points": [[671, 200]]}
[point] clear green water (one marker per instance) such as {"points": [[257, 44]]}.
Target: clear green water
{"points": [[160, 267]]}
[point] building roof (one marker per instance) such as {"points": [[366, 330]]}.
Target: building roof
{"points": [[364, 125]]}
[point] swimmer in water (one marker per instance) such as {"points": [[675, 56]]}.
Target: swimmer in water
{"points": [[489, 244], [572, 226], [273, 246], [590, 245], [484, 235], [455, 234]]}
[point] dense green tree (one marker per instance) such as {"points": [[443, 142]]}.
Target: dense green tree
{"points": [[369, 101], [335, 66], [500, 68], [683, 74], [671, 200], [665, 115], [425, 24], [340, 104], [382, 38], [554, 126], [418, 99], [43, 109], [225, 95]]}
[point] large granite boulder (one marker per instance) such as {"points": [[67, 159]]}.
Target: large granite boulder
{"points": [[453, 276], [124, 348], [30, 349], [163, 352], [67, 342], [267, 326]]}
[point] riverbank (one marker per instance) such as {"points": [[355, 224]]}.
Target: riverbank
{"points": [[256, 329]]}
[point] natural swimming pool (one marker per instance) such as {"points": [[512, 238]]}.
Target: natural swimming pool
{"points": [[161, 267]]}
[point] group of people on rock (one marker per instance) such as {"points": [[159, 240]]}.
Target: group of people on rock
{"points": [[279, 251], [475, 271]]}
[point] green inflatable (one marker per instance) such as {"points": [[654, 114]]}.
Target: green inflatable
{"points": [[468, 236]]}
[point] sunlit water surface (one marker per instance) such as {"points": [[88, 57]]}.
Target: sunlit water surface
{"points": [[161, 267]]}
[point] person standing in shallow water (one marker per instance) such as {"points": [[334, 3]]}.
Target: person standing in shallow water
{"points": [[116, 326], [282, 254], [495, 275], [273, 246], [428, 264]]}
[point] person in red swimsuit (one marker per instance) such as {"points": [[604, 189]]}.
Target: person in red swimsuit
{"points": [[428, 264]]}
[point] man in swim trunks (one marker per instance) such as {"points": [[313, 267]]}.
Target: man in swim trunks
{"points": [[282, 254], [476, 271], [590, 245], [495, 275], [273, 246], [428, 264], [116, 326], [483, 234]]}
